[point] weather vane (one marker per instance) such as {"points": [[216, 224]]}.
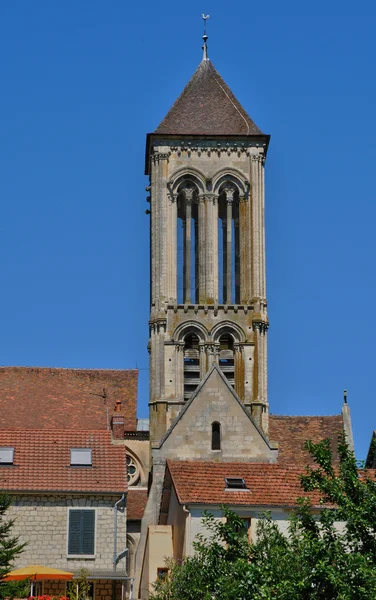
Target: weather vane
{"points": [[205, 37]]}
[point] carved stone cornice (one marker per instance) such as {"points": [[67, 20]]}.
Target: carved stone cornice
{"points": [[158, 326], [260, 158], [159, 156], [260, 326]]}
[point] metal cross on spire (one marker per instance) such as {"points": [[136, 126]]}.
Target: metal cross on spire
{"points": [[205, 37]]}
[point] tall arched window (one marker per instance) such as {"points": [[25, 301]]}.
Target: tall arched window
{"points": [[226, 357], [228, 244], [187, 236], [191, 364], [216, 436]]}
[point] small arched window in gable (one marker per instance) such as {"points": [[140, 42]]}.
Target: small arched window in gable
{"points": [[216, 436]]}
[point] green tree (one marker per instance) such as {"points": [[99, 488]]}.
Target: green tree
{"points": [[80, 588], [317, 560], [10, 547]]}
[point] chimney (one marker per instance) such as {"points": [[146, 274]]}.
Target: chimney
{"points": [[117, 422]]}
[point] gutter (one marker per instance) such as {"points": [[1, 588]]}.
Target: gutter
{"points": [[117, 556]]}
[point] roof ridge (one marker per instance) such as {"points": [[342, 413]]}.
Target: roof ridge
{"points": [[4, 367]]}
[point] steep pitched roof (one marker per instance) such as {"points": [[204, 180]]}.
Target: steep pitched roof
{"points": [[198, 482], [42, 462], [207, 106], [37, 398], [292, 432]]}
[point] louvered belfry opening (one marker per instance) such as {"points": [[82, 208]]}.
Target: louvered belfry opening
{"points": [[229, 244], [226, 357], [191, 364], [187, 272]]}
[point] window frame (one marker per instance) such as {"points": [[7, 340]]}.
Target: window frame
{"points": [[219, 434], [82, 451], [10, 450], [83, 556]]}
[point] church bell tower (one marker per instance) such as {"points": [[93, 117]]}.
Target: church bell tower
{"points": [[207, 232]]}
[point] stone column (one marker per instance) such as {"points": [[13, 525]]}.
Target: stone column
{"points": [[179, 370], [245, 243], [203, 366], [202, 250], [237, 261], [260, 406], [172, 248], [188, 245], [212, 285], [258, 226], [212, 350], [239, 370], [229, 191]]}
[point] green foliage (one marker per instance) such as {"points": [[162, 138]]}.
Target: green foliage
{"points": [[84, 586], [15, 589], [10, 547], [315, 561]]}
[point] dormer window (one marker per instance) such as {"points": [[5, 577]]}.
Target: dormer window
{"points": [[236, 484], [6, 455], [80, 457]]}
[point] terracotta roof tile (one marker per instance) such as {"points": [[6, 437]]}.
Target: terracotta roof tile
{"points": [[65, 398], [292, 432], [207, 106], [269, 484], [136, 502], [42, 462]]}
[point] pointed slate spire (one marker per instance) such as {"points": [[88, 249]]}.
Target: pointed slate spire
{"points": [[207, 106]]}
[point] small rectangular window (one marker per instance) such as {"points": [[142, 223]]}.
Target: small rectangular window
{"points": [[6, 456], [162, 573], [80, 457], [235, 483], [81, 532]]}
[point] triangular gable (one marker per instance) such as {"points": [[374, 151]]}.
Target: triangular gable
{"points": [[189, 437]]}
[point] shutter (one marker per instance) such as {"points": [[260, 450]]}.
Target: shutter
{"points": [[81, 532], [88, 531], [74, 539]]}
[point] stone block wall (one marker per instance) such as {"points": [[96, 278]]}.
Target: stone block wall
{"points": [[42, 522]]}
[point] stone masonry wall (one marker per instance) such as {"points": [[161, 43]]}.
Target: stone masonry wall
{"points": [[42, 522]]}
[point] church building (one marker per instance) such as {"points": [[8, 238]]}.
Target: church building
{"points": [[131, 492], [213, 440]]}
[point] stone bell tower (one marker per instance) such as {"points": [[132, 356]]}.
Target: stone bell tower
{"points": [[208, 296]]}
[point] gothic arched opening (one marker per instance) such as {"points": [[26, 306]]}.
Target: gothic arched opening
{"points": [[187, 243]]}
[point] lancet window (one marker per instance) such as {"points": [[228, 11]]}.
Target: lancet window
{"points": [[191, 364], [187, 242], [216, 436], [228, 244]]}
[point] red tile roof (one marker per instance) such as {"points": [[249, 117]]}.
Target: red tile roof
{"points": [[51, 398], [42, 462], [136, 502], [207, 106], [292, 432], [269, 484]]}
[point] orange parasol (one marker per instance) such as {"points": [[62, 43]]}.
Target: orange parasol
{"points": [[36, 573]]}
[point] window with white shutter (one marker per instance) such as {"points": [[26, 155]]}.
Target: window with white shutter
{"points": [[81, 532]]}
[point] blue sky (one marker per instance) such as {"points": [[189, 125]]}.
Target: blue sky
{"points": [[81, 85]]}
